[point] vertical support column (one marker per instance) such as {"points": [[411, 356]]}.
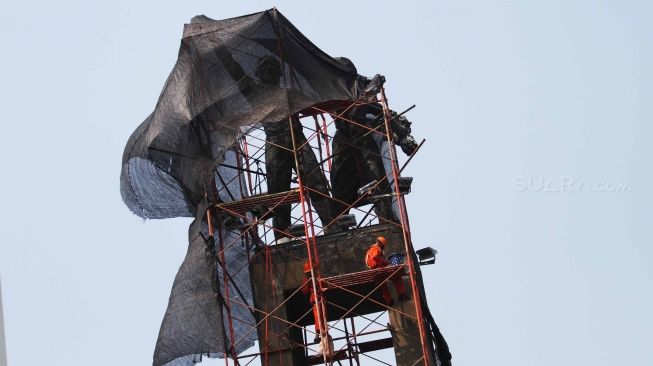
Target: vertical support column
{"points": [[406, 232], [275, 347], [227, 297], [211, 229], [353, 332], [245, 149], [268, 269], [318, 135], [311, 246], [326, 141], [350, 349], [405, 332], [3, 347]]}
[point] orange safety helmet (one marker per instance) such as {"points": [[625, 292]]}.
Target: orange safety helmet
{"points": [[381, 240]]}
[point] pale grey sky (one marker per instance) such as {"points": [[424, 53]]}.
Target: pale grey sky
{"points": [[534, 183]]}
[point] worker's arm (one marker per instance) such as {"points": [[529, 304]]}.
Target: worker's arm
{"points": [[382, 261], [380, 258], [376, 255], [306, 286]]}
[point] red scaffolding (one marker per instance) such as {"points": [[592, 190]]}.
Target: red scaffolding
{"points": [[356, 333]]}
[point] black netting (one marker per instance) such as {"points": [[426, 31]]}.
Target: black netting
{"points": [[230, 74], [195, 324], [192, 324]]}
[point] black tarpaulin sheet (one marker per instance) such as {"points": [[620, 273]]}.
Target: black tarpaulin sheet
{"points": [[230, 75]]}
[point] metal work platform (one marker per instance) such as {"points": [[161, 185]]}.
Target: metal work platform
{"points": [[259, 202]]}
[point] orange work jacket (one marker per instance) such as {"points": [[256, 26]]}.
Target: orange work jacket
{"points": [[307, 288], [375, 258]]}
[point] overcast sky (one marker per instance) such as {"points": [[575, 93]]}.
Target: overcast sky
{"points": [[534, 184]]}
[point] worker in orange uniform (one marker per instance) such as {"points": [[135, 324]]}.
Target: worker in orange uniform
{"points": [[375, 258], [307, 288]]}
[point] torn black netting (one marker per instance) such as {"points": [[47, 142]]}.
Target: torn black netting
{"points": [[230, 75], [222, 83]]}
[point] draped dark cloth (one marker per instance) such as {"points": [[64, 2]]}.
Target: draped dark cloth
{"points": [[213, 95]]}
